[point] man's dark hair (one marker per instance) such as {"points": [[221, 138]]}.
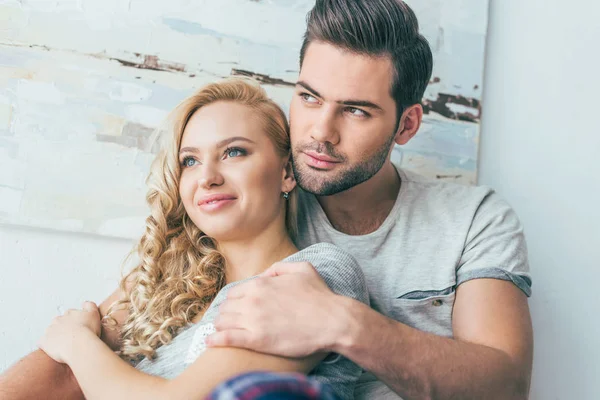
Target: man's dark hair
{"points": [[376, 28]]}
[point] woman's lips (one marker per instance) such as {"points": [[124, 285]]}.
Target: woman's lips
{"points": [[215, 202]]}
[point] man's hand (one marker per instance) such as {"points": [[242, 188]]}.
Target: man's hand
{"points": [[288, 311], [57, 340]]}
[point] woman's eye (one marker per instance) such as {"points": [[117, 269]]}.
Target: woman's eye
{"points": [[235, 152], [188, 162]]}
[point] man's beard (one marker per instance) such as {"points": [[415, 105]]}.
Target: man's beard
{"points": [[345, 179]]}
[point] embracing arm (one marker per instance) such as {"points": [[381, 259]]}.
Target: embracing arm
{"points": [[490, 356], [38, 376], [102, 374]]}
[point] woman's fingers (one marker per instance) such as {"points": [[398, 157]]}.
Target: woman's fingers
{"points": [[89, 306]]}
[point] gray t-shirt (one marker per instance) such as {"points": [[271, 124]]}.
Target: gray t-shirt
{"points": [[338, 269], [437, 236]]}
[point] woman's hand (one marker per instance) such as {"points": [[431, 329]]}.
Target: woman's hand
{"points": [[59, 337]]}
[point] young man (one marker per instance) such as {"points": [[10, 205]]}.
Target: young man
{"points": [[446, 264]]}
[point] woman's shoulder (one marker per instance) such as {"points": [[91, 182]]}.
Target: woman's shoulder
{"points": [[326, 255], [323, 250], [337, 267]]}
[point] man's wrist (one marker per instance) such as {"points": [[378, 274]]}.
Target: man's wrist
{"points": [[348, 325]]}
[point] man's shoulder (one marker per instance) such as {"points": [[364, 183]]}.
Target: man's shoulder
{"points": [[441, 195], [420, 185]]}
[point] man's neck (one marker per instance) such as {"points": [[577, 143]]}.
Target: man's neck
{"points": [[253, 256], [363, 208]]}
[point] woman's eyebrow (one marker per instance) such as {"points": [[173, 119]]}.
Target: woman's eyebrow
{"points": [[227, 141], [220, 144], [188, 150]]}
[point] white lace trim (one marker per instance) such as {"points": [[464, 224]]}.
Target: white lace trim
{"points": [[199, 342]]}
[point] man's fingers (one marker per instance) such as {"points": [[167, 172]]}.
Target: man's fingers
{"points": [[235, 305], [239, 291], [226, 321], [256, 285], [230, 338]]}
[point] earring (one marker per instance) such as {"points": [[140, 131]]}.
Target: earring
{"points": [[286, 195]]}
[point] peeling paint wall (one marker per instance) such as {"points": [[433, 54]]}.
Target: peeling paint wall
{"points": [[83, 84]]}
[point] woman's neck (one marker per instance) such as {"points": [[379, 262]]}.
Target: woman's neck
{"points": [[253, 256]]}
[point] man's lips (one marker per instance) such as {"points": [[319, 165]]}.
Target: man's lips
{"points": [[320, 161], [321, 157]]}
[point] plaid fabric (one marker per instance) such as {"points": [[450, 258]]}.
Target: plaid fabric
{"points": [[272, 386]]}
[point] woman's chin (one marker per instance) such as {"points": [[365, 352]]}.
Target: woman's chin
{"points": [[217, 227], [221, 234]]}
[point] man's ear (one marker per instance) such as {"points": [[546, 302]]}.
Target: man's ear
{"points": [[288, 181], [410, 122]]}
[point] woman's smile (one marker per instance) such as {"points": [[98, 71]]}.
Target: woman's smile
{"points": [[215, 202]]}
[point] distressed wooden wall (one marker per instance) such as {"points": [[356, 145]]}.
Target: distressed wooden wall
{"points": [[83, 84]]}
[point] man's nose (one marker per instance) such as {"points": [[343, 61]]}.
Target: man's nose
{"points": [[325, 128]]}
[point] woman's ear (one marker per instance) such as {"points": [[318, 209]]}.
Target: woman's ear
{"points": [[288, 181]]}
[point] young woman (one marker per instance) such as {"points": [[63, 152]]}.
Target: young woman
{"points": [[223, 207]]}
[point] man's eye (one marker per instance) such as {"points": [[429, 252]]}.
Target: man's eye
{"points": [[357, 112], [308, 98], [188, 162]]}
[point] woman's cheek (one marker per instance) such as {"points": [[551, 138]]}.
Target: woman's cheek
{"points": [[186, 192]]}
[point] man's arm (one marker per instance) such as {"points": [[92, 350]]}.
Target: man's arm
{"points": [[490, 356], [37, 376]]}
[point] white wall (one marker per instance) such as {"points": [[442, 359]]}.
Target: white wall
{"points": [[43, 273], [539, 139], [84, 83], [540, 147]]}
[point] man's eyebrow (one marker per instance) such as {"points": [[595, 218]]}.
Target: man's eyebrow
{"points": [[351, 102], [220, 144], [307, 87], [361, 103]]}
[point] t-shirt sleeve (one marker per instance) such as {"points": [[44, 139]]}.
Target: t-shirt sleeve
{"points": [[339, 270], [495, 246], [342, 273]]}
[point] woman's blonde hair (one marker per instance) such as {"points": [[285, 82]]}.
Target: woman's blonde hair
{"points": [[180, 270]]}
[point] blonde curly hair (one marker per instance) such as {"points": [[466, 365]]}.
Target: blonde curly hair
{"points": [[180, 270]]}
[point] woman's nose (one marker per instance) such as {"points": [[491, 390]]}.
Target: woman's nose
{"points": [[209, 177]]}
